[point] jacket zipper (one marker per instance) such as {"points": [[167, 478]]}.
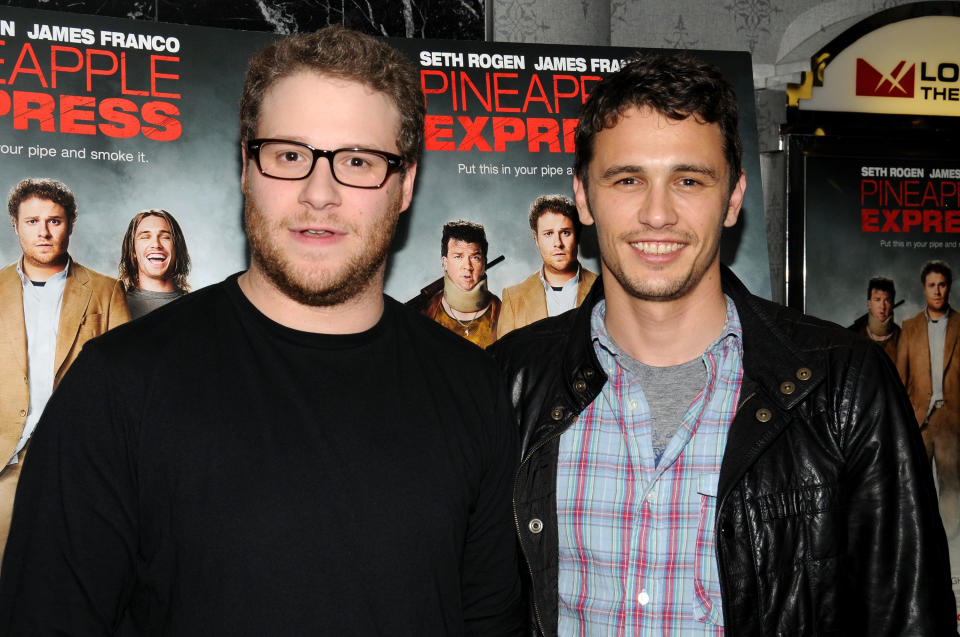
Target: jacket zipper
{"points": [[516, 521]]}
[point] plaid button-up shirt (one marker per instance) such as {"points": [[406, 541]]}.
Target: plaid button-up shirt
{"points": [[636, 550]]}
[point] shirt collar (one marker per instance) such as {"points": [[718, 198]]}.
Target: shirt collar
{"points": [[932, 320], [62, 274], [732, 328], [571, 282]]}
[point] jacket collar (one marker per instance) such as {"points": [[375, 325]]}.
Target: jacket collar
{"points": [[786, 373]]}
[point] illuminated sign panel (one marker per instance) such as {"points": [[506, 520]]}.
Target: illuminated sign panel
{"points": [[907, 67]]}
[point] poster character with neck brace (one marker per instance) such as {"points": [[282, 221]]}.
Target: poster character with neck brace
{"points": [[465, 305], [879, 324]]}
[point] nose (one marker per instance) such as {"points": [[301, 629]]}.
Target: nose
{"points": [[45, 230], [320, 189], [656, 209], [557, 241]]}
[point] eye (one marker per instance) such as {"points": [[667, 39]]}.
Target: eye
{"points": [[360, 161], [628, 181], [689, 182]]}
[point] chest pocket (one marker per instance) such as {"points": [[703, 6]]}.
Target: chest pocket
{"points": [[707, 607]]}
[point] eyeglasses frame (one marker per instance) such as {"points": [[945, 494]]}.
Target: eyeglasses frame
{"points": [[394, 162]]}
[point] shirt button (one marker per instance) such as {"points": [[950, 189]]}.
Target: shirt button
{"points": [[535, 526], [634, 405], [643, 598], [652, 497]]}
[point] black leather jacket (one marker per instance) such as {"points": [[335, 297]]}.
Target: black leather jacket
{"points": [[827, 519]]}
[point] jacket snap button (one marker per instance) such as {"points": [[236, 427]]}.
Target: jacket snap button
{"points": [[764, 414], [588, 373], [580, 385], [535, 526], [787, 387], [23, 413], [804, 373], [557, 413]]}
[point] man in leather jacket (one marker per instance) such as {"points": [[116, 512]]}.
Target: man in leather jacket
{"points": [[695, 459]]}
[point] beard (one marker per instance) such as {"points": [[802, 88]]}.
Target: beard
{"points": [[319, 284], [651, 287]]}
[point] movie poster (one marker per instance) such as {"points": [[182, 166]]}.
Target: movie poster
{"points": [[872, 216], [135, 115], [869, 216]]}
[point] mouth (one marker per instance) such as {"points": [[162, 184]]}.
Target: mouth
{"points": [[657, 248], [157, 258]]}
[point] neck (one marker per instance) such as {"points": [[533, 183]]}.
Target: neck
{"points": [[665, 333], [465, 304], [357, 314], [156, 285], [936, 315], [42, 271], [557, 278]]}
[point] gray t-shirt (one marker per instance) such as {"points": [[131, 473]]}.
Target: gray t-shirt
{"points": [[142, 302], [669, 392]]}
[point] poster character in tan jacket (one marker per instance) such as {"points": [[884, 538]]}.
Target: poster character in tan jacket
{"points": [[561, 283], [929, 365], [50, 306]]}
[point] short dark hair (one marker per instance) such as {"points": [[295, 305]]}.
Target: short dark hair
{"points": [[940, 267], [43, 188], [338, 52], [883, 284], [466, 231], [179, 270], [676, 85], [558, 204]]}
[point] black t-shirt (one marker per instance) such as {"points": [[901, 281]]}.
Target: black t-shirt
{"points": [[209, 471]]}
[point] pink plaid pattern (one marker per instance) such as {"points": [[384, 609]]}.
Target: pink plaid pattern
{"points": [[636, 551]]}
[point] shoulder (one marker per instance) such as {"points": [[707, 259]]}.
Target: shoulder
{"points": [[915, 324], [8, 275], [98, 281], [542, 341], [439, 352], [528, 285], [175, 329], [586, 276]]}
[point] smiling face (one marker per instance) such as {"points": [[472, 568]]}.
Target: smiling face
{"points": [[464, 264], [154, 252], [317, 241], [658, 190], [44, 234], [557, 240]]}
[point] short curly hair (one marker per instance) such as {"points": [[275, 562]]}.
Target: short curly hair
{"points": [[466, 231], [338, 52], [676, 85], [43, 188], [558, 204]]}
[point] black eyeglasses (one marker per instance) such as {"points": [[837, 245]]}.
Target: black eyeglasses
{"points": [[355, 167]]}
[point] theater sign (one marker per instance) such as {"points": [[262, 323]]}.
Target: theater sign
{"points": [[909, 67]]}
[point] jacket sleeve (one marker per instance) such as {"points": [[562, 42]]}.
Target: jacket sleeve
{"points": [[69, 564], [491, 589], [897, 567], [117, 312]]}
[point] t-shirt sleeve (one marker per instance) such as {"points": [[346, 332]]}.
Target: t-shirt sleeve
{"points": [[69, 563], [492, 600]]}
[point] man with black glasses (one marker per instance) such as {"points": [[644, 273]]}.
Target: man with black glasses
{"points": [[282, 453]]}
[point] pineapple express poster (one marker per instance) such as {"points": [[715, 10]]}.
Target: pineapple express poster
{"points": [[134, 115]]}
